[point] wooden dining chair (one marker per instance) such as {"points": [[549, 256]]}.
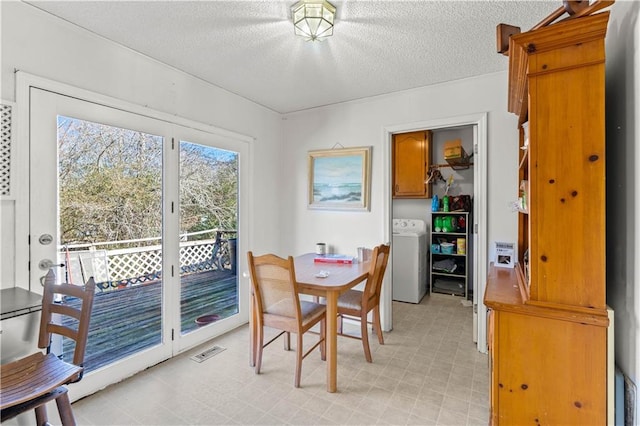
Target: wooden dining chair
{"points": [[357, 304], [277, 305], [31, 382]]}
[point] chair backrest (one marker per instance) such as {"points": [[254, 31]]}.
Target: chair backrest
{"points": [[379, 259], [68, 321], [274, 285]]}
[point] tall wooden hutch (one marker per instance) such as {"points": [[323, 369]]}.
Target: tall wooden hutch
{"points": [[547, 316]]}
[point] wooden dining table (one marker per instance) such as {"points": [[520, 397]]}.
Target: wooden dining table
{"points": [[341, 278]]}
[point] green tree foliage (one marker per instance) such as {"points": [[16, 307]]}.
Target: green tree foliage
{"points": [[111, 184], [208, 188]]}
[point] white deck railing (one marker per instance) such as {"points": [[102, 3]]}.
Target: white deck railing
{"points": [[136, 265]]}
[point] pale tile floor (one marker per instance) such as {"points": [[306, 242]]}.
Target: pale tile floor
{"points": [[427, 373]]}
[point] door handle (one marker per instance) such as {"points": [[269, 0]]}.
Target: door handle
{"points": [[46, 264]]}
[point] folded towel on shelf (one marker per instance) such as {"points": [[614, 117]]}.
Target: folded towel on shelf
{"points": [[441, 284], [445, 265]]}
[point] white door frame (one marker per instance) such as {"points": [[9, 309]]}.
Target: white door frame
{"points": [[479, 121]]}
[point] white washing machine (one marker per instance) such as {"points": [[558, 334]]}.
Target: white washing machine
{"points": [[409, 260]]}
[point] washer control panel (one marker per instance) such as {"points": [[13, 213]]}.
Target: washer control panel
{"points": [[413, 226]]}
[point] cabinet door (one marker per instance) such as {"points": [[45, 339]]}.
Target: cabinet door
{"points": [[411, 154], [549, 371], [567, 175]]}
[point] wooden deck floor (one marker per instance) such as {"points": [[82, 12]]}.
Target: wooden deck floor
{"points": [[128, 320]]}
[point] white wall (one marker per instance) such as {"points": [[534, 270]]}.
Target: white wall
{"points": [[37, 43], [361, 123], [8, 238], [623, 184]]}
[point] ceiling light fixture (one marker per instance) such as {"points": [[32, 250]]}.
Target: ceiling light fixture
{"points": [[313, 19]]}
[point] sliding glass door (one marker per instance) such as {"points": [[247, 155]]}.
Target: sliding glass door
{"points": [[151, 210]]}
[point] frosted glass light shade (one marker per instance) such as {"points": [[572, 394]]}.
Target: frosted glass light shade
{"points": [[313, 19]]}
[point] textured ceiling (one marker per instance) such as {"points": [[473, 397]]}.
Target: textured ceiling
{"points": [[248, 47]]}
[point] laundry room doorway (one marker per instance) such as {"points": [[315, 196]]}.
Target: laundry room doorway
{"points": [[457, 182]]}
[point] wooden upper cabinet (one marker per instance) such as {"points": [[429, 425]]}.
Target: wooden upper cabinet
{"points": [[564, 65], [411, 158]]}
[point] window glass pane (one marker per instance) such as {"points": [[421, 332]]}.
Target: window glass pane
{"points": [[208, 231], [110, 204]]}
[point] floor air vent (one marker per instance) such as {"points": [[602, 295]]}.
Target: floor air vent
{"points": [[207, 353]]}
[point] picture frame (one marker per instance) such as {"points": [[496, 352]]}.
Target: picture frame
{"points": [[340, 179], [505, 254]]}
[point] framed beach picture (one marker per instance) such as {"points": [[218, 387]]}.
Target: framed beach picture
{"points": [[340, 179]]}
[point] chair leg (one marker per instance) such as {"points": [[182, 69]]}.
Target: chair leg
{"points": [[253, 324], [287, 341], [41, 415], [376, 324], [365, 337], [260, 346], [299, 350], [64, 409], [340, 324], [323, 345]]}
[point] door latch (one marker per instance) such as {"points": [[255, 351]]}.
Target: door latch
{"points": [[45, 239]]}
